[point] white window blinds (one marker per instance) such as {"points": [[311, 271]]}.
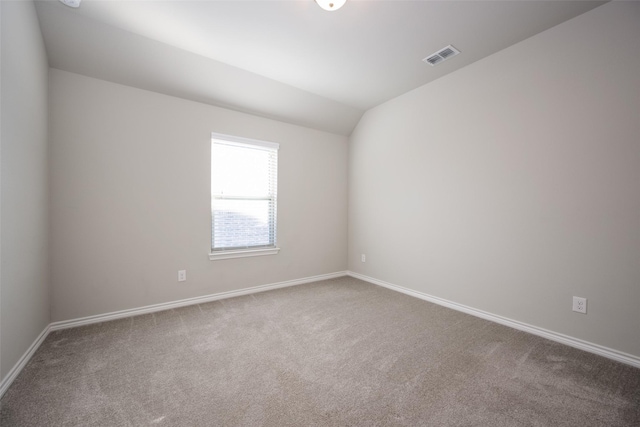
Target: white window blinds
{"points": [[244, 176]]}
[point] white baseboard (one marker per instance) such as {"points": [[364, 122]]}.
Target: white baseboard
{"points": [[65, 324], [17, 368], [610, 353], [189, 301]]}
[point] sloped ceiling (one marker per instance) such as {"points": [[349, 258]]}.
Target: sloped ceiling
{"points": [[287, 60]]}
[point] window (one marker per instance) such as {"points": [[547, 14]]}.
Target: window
{"points": [[244, 175]]}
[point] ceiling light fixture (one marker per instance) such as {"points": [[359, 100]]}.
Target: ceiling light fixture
{"points": [[329, 5], [71, 3]]}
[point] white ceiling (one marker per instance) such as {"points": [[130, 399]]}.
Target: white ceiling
{"points": [[288, 60]]}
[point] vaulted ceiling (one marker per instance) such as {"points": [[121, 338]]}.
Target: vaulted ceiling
{"points": [[288, 60]]}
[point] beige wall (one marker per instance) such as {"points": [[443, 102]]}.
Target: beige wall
{"points": [[131, 199], [514, 183], [24, 266]]}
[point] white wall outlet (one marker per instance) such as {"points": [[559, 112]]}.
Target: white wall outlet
{"points": [[182, 275], [363, 257], [580, 305]]}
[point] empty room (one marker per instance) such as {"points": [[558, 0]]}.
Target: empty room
{"points": [[319, 213]]}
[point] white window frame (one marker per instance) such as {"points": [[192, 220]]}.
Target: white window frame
{"points": [[219, 254]]}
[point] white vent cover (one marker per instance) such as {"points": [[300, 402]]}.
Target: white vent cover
{"points": [[71, 3], [441, 55]]}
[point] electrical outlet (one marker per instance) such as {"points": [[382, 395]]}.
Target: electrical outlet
{"points": [[363, 258], [580, 305], [182, 275]]}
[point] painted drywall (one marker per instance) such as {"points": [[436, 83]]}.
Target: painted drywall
{"points": [[514, 184], [91, 48], [131, 199], [24, 271]]}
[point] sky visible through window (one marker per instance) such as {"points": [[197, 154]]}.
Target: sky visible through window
{"points": [[239, 171]]}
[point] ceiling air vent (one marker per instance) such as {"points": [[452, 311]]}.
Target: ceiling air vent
{"points": [[441, 55]]}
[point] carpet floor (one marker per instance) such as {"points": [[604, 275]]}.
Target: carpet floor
{"points": [[340, 352]]}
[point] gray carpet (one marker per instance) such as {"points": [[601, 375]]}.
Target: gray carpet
{"points": [[340, 352]]}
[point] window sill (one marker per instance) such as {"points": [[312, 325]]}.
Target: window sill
{"points": [[242, 253]]}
